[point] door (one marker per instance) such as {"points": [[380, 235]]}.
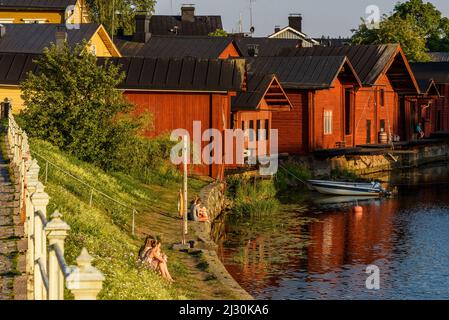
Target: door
{"points": [[368, 131]]}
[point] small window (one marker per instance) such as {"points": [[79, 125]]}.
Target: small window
{"points": [[267, 129], [382, 125], [243, 125], [327, 122], [258, 128], [251, 130], [6, 20], [382, 97], [35, 21]]}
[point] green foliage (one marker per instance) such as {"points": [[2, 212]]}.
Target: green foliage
{"points": [[218, 33], [418, 26], [344, 174], [252, 197], [395, 30], [118, 13], [72, 103], [288, 174]]}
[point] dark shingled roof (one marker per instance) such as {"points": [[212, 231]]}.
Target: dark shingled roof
{"points": [[250, 99], [15, 66], [33, 38], [369, 61], [436, 71], [36, 4], [175, 47], [202, 26], [439, 56], [302, 72], [268, 47], [187, 74]]}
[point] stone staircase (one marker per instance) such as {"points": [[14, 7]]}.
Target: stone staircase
{"points": [[13, 280]]}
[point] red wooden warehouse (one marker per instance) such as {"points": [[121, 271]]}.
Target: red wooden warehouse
{"points": [[321, 90]]}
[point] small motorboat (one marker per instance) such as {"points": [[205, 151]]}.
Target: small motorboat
{"points": [[347, 188]]}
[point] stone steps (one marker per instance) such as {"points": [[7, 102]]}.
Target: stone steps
{"points": [[13, 245]]}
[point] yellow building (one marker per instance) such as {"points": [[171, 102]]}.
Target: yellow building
{"points": [[20, 41], [43, 11]]}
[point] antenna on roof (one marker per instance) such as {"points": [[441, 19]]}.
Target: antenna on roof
{"points": [[251, 29]]}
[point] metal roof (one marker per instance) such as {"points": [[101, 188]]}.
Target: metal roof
{"points": [[175, 47], [369, 61], [183, 74], [310, 72], [33, 38], [439, 56], [201, 26], [208, 75], [36, 4], [15, 66], [426, 71], [267, 47], [250, 99]]}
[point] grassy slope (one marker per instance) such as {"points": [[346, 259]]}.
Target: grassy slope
{"points": [[104, 229]]}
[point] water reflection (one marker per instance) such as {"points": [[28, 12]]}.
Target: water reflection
{"points": [[308, 251]]}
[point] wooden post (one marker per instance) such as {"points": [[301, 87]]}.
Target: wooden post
{"points": [[184, 189], [56, 231], [85, 281]]}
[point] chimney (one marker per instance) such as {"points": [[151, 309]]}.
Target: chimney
{"points": [[253, 50], [188, 13], [61, 36], [2, 30], [295, 21], [142, 27], [277, 29]]}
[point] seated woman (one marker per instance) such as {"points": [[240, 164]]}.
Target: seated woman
{"points": [[159, 259], [146, 248], [203, 216]]}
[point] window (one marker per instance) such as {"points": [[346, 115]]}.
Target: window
{"points": [[251, 130], [327, 122], [267, 129], [382, 125], [258, 128], [6, 20], [348, 115], [35, 20], [243, 125], [382, 97]]}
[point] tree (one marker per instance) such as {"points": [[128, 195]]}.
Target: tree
{"points": [[395, 30], [419, 27], [433, 26], [218, 33], [114, 14], [73, 103]]}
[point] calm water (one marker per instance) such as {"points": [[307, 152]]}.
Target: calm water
{"points": [[316, 250]]}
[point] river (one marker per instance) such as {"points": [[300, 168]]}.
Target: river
{"points": [[315, 250]]}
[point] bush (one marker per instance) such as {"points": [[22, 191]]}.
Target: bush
{"points": [[252, 197], [289, 172]]}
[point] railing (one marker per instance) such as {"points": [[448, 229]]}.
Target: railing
{"points": [[48, 273]]}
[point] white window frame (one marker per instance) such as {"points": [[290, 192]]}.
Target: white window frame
{"points": [[30, 21], [7, 20], [328, 118]]}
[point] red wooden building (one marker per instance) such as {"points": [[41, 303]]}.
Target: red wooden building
{"points": [[433, 113], [178, 92], [381, 104], [321, 91], [252, 110]]}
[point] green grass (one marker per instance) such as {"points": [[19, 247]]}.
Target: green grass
{"points": [[252, 197], [104, 228]]}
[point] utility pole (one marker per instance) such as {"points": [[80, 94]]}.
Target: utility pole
{"points": [[184, 189], [251, 27]]}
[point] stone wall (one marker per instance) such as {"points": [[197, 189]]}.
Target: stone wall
{"points": [[214, 199]]}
